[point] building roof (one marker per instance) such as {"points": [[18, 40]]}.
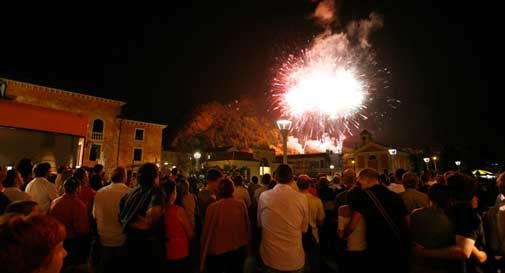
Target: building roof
{"points": [[143, 123], [232, 155], [60, 91]]}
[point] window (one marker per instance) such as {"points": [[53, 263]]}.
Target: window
{"points": [[137, 154], [139, 134], [97, 130], [94, 154], [98, 126]]}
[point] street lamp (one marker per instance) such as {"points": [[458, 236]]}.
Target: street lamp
{"points": [[427, 160], [392, 153], [166, 163], [435, 163], [197, 156], [331, 169], [284, 126], [458, 163], [354, 165]]}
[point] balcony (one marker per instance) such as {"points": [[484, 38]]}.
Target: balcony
{"points": [[97, 136]]}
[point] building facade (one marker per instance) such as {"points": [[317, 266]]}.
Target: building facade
{"points": [[92, 123], [371, 154]]}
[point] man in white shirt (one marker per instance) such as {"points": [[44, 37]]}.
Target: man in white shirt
{"points": [[106, 214], [42, 191], [283, 215]]}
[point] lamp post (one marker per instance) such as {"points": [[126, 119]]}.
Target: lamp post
{"points": [[458, 163], [427, 160], [435, 163], [197, 156], [392, 153], [331, 169], [354, 166], [284, 126]]}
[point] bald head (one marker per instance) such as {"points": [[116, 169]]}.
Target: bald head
{"points": [[349, 178]]}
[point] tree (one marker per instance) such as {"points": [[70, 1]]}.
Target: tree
{"points": [[237, 124]]}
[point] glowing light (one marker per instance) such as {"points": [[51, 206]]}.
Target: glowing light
{"points": [[434, 158], [197, 155], [392, 151], [166, 163], [332, 167], [284, 124], [458, 163], [324, 91], [426, 160]]}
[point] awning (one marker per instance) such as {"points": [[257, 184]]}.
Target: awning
{"points": [[26, 116], [481, 172]]}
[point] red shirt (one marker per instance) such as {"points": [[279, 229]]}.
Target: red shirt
{"points": [[71, 211], [177, 243], [86, 195]]}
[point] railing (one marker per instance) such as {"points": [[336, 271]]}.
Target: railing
{"points": [[96, 136]]}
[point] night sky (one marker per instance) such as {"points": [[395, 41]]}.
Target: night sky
{"points": [[445, 59]]}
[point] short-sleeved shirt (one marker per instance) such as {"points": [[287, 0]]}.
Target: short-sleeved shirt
{"points": [[432, 229], [316, 213], [467, 222], [378, 232]]}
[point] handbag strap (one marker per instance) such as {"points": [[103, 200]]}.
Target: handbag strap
{"points": [[385, 214]]}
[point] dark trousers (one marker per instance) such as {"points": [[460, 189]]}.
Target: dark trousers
{"points": [[179, 266], [229, 262], [77, 251], [144, 255], [110, 259], [313, 259], [355, 261]]}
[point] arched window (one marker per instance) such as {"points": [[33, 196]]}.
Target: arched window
{"points": [[98, 126], [97, 130]]}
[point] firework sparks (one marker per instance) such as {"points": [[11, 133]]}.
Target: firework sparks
{"points": [[325, 90]]}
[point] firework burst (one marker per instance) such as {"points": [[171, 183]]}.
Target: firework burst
{"points": [[325, 91]]}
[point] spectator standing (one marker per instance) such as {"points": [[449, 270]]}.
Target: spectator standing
{"points": [[178, 231], [265, 181], [11, 183], [140, 213], [431, 228], [316, 219], [97, 179], [71, 211], [110, 233], [25, 167], [396, 186], [283, 215], [496, 216], [41, 190], [207, 196], [241, 192], [412, 198], [226, 233], [386, 221], [87, 193]]}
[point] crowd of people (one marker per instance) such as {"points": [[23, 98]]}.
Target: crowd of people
{"points": [[83, 220]]}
